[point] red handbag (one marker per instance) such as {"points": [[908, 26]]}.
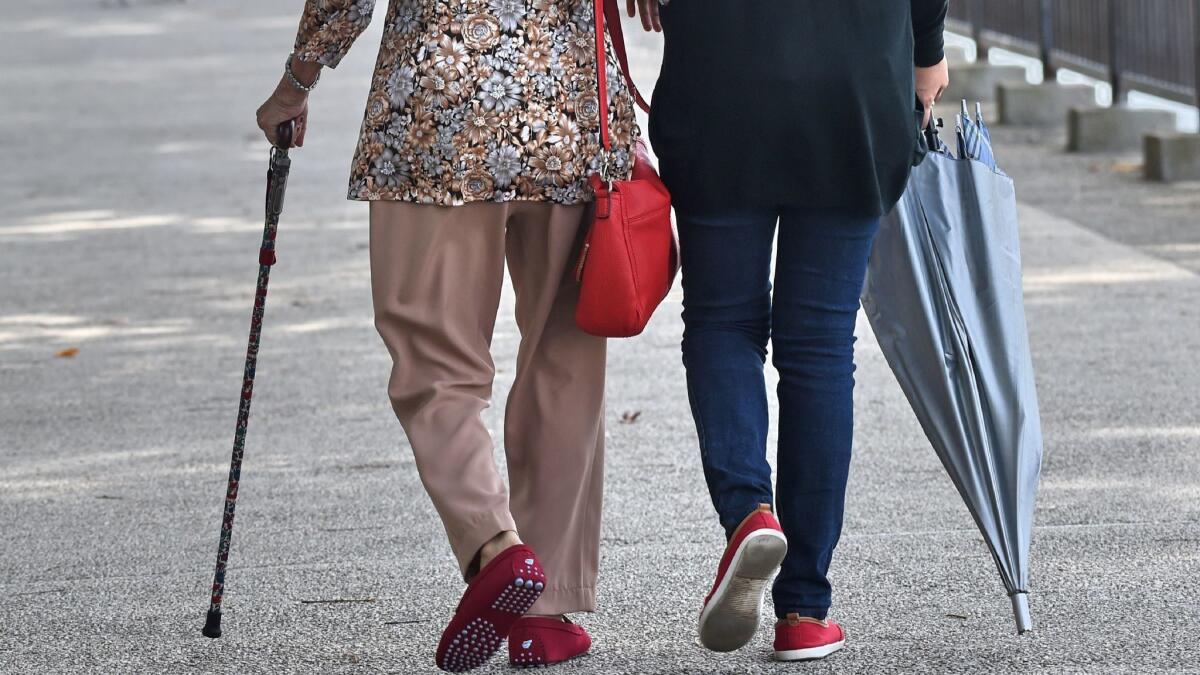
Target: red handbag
{"points": [[630, 255]]}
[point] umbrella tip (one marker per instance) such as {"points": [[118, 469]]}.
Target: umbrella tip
{"points": [[1020, 604]]}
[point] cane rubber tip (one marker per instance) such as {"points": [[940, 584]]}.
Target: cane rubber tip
{"points": [[212, 624]]}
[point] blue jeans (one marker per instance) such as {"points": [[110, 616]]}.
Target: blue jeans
{"points": [[729, 315]]}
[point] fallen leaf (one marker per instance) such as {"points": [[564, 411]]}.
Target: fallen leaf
{"points": [[68, 353]]}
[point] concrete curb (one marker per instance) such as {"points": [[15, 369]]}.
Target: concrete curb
{"points": [[956, 55], [1040, 105], [1115, 129], [1170, 157], [977, 81]]}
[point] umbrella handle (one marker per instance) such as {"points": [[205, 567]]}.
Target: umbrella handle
{"points": [[284, 134]]}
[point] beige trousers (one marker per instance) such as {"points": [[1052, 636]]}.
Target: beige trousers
{"points": [[436, 278]]}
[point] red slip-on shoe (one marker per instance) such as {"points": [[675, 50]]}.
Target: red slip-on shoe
{"points": [[733, 608], [799, 638], [541, 641], [494, 600]]}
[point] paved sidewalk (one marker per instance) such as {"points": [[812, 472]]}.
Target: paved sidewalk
{"points": [[130, 207]]}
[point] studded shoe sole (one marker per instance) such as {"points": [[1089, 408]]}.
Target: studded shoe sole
{"points": [[500, 595]]}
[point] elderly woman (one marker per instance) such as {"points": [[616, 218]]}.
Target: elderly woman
{"points": [[794, 116], [480, 130]]}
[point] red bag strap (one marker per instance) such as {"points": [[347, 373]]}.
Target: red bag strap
{"points": [[610, 11]]}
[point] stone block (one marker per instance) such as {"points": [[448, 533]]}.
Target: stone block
{"points": [[977, 81], [956, 55], [1116, 129], [1171, 156], [1040, 105]]}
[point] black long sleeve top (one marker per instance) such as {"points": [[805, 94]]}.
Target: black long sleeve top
{"points": [[791, 102]]}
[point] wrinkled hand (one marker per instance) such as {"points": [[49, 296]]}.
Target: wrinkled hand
{"points": [[931, 83], [648, 9], [286, 103]]}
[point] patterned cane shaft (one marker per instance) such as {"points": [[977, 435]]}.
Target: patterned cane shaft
{"points": [[276, 184]]}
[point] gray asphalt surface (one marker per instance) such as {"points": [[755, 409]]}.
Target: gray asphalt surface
{"points": [[130, 209]]}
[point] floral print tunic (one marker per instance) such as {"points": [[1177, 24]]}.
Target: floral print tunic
{"points": [[476, 100]]}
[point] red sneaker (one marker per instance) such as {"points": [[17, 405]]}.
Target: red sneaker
{"points": [[541, 641], [800, 638], [732, 609], [494, 600]]}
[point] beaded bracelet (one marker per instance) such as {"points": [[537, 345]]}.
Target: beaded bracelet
{"points": [[287, 69]]}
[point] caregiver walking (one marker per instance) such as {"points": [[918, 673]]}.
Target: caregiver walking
{"points": [[801, 114], [481, 129]]}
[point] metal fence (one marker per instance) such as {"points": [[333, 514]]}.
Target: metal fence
{"points": [[1147, 45]]}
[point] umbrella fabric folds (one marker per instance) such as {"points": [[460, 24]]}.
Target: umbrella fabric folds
{"points": [[974, 139], [943, 296]]}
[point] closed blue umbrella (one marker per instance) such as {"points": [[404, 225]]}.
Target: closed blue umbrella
{"points": [[943, 295]]}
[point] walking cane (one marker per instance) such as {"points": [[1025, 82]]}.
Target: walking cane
{"points": [[277, 176]]}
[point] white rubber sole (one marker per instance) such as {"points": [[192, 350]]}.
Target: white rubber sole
{"points": [[810, 653], [732, 616]]}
